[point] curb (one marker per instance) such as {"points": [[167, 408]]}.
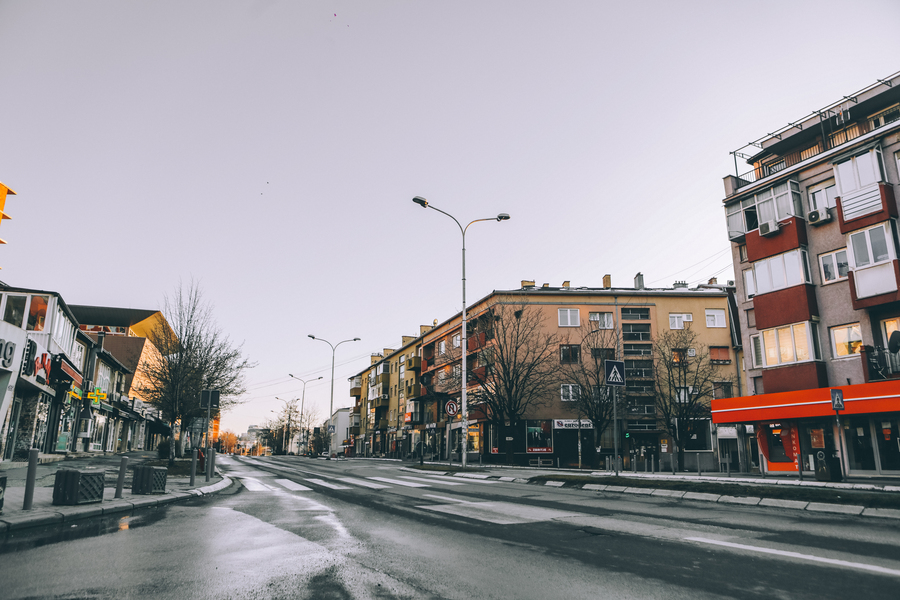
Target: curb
{"points": [[116, 505]]}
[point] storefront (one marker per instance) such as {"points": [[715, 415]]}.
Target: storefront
{"points": [[800, 429]]}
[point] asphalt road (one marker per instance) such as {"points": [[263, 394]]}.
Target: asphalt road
{"points": [[294, 527]]}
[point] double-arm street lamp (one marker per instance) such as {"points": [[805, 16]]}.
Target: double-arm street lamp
{"points": [[303, 401], [465, 408], [331, 404]]}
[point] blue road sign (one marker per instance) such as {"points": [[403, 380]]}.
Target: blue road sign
{"points": [[615, 372]]}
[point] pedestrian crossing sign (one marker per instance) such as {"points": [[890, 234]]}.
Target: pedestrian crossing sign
{"points": [[615, 372]]}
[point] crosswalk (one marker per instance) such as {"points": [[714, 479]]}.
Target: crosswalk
{"points": [[260, 482]]}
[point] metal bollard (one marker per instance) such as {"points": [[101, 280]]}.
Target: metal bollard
{"points": [[213, 471], [30, 477], [208, 464], [123, 467], [698, 465], [193, 466]]}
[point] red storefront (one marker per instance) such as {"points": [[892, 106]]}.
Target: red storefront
{"points": [[800, 426]]}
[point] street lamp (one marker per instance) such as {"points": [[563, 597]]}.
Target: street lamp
{"points": [[331, 405], [303, 401], [465, 408]]}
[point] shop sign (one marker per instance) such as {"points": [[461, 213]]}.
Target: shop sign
{"points": [[817, 438], [664, 446], [7, 354], [36, 363], [726, 432], [540, 450], [431, 426], [572, 424]]}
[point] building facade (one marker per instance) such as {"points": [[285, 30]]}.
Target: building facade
{"points": [[813, 229]]}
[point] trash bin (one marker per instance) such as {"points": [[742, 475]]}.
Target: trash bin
{"points": [[828, 468], [72, 486]]}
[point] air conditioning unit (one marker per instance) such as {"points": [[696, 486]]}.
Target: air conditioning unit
{"points": [[767, 228], [817, 217]]}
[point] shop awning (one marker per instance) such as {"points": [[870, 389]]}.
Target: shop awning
{"points": [[865, 398]]}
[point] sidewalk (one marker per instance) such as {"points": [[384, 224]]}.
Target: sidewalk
{"points": [[43, 512]]}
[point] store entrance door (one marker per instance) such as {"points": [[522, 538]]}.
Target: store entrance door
{"points": [[887, 434]]}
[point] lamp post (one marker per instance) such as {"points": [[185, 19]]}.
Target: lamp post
{"points": [[465, 408], [303, 400], [331, 404]]}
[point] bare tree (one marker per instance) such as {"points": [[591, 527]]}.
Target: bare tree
{"points": [[685, 380], [583, 372], [194, 354], [516, 368], [288, 420]]}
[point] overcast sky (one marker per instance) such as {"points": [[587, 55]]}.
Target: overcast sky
{"points": [[270, 151]]}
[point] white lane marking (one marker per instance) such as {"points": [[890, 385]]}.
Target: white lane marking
{"points": [[399, 482], [364, 483], [253, 485], [810, 557], [449, 499], [292, 485], [328, 485], [500, 513], [432, 480]]}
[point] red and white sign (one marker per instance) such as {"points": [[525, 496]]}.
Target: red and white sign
{"points": [[452, 408]]}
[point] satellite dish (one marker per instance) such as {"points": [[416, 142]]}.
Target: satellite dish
{"points": [[894, 342]]}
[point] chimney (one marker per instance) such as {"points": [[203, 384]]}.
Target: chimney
{"points": [[527, 283], [680, 285], [607, 281], [566, 284], [713, 281], [423, 329], [546, 285], [101, 335], [639, 281]]}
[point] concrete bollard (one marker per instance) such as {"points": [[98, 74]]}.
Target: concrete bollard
{"points": [[123, 467], [30, 478], [193, 466]]}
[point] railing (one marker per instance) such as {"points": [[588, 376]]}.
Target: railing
{"points": [[835, 139], [881, 363]]}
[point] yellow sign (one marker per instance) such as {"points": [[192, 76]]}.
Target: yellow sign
{"points": [[96, 396]]}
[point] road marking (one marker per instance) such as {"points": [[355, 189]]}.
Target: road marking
{"points": [[447, 498], [399, 482], [333, 486], [500, 513], [364, 483], [253, 485], [292, 485], [432, 480], [810, 557]]}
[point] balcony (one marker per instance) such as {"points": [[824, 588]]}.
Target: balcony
{"points": [[476, 341], [791, 235], [796, 376], [414, 363], [414, 390], [383, 379], [866, 207], [879, 364], [381, 401], [356, 387], [354, 430], [874, 285], [789, 305]]}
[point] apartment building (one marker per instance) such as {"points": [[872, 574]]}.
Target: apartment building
{"points": [[813, 228], [552, 428]]}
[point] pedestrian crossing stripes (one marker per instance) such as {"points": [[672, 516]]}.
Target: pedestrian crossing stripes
{"points": [[399, 482], [292, 485], [253, 484], [323, 483], [364, 483]]}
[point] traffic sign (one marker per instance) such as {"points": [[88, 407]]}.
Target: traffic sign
{"points": [[331, 429], [452, 408], [615, 372], [837, 400]]}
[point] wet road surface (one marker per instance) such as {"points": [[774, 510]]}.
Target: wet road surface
{"points": [[294, 527]]}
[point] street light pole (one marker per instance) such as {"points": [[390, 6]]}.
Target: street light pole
{"points": [[331, 404], [464, 384], [303, 401]]}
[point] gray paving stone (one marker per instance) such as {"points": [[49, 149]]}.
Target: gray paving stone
{"points": [[887, 513], [593, 487], [615, 488], [701, 496], [668, 493], [555, 483], [639, 491]]}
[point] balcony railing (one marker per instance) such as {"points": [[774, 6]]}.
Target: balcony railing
{"points": [[881, 363], [834, 140]]}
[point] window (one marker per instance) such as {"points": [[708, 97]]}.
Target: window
{"points": [[698, 435], [846, 340], [37, 314], [719, 355], [834, 266], [715, 317], [635, 314], [788, 344], [15, 310], [637, 350], [601, 320], [602, 354], [751, 317], [778, 272], [742, 252], [569, 392], [457, 371], [639, 369], [722, 389], [777, 203], [683, 394], [569, 353], [823, 195], [860, 171], [442, 347], [635, 333], [870, 247], [456, 340], [677, 320], [569, 317]]}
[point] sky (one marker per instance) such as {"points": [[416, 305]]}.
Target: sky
{"points": [[269, 151]]}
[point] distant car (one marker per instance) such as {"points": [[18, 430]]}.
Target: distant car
{"points": [[324, 454]]}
